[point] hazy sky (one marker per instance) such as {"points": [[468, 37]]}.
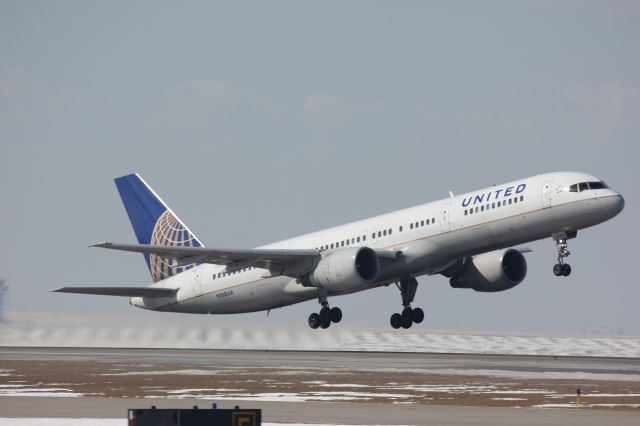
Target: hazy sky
{"points": [[258, 121]]}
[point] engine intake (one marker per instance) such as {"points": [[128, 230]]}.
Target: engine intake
{"points": [[491, 272], [345, 271]]}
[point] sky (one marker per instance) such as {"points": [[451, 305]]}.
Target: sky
{"points": [[259, 121]]}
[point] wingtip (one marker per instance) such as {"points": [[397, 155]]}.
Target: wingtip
{"points": [[57, 290], [102, 244]]}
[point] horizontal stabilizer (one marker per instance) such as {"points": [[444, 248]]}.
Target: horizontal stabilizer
{"points": [[120, 291]]}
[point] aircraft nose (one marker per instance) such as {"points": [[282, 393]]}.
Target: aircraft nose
{"points": [[614, 204]]}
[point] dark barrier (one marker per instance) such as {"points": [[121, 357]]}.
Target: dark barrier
{"points": [[194, 417]]}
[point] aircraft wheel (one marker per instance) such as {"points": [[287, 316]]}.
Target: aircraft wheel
{"points": [[407, 314], [325, 323], [417, 315], [557, 269], [396, 321], [325, 314], [336, 315], [314, 320], [406, 323], [566, 270]]}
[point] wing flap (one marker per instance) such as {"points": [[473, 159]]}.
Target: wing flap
{"points": [[290, 262], [120, 291]]}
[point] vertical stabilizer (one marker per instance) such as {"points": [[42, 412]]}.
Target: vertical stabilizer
{"points": [[154, 223]]}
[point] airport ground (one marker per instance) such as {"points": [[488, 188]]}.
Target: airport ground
{"points": [[323, 387]]}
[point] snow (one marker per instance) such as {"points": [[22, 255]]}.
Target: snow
{"points": [[511, 374], [587, 405], [33, 329], [509, 399]]}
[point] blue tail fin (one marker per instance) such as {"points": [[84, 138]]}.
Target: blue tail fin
{"points": [[154, 223]]}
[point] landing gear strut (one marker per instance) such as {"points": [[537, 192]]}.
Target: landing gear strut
{"points": [[408, 316], [327, 315], [561, 268]]}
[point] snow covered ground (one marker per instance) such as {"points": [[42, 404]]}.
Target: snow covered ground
{"points": [[46, 330]]}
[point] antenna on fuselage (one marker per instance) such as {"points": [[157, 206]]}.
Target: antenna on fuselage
{"points": [[451, 194]]}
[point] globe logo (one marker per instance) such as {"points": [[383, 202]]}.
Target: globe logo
{"points": [[168, 231]]}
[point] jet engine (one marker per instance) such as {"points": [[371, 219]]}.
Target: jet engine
{"points": [[490, 272], [345, 271]]}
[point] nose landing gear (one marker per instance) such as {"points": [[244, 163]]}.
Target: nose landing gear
{"points": [[409, 315], [561, 268], [327, 315]]}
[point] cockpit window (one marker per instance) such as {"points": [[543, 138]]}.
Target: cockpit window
{"points": [[597, 185], [583, 186]]}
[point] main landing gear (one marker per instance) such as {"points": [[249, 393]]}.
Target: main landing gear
{"points": [[327, 315], [408, 316], [562, 269]]}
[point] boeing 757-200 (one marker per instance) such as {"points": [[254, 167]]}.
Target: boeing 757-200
{"points": [[468, 238]]}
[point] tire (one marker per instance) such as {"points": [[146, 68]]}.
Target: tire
{"points": [[417, 315], [325, 323], [325, 314], [406, 323], [557, 269], [566, 270], [407, 314], [396, 321], [314, 320], [336, 315]]}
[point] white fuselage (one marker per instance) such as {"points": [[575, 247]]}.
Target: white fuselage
{"points": [[431, 237]]}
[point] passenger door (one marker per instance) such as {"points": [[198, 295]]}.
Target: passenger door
{"points": [[546, 194], [445, 215]]}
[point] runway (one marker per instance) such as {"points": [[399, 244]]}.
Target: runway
{"points": [[323, 387]]}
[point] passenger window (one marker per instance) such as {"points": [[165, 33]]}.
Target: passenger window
{"points": [[358, 239], [427, 221], [373, 235], [411, 225], [422, 223], [390, 231], [465, 212], [477, 209], [509, 200], [522, 198], [515, 200], [400, 228], [384, 232], [364, 238], [331, 245], [347, 242], [470, 211], [481, 208], [353, 240], [433, 220], [417, 224], [342, 243], [583, 186]]}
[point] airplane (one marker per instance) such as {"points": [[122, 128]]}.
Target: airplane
{"points": [[469, 238]]}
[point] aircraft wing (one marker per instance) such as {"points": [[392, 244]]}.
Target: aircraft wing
{"points": [[120, 291], [283, 261]]}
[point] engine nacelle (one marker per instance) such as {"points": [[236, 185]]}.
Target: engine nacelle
{"points": [[490, 272], [345, 271]]}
